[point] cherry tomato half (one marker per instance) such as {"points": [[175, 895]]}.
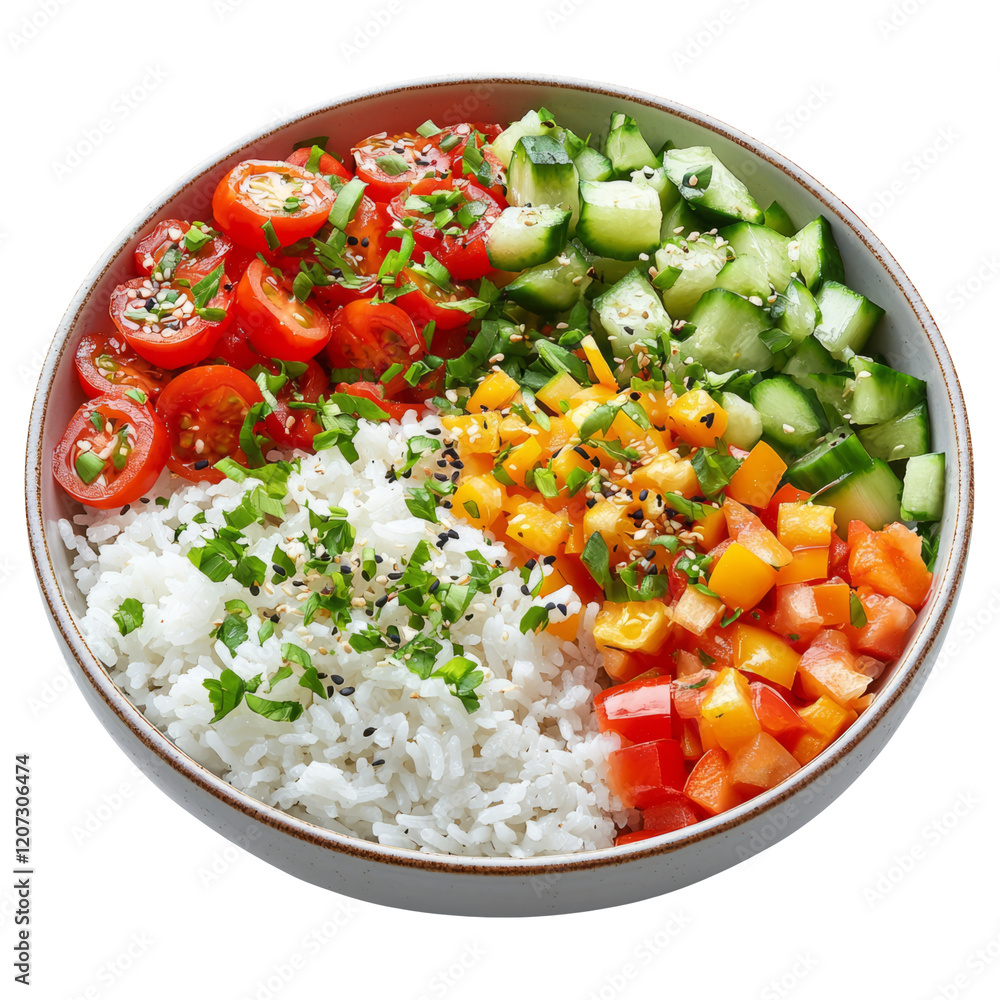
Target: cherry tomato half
{"points": [[278, 325], [289, 426], [105, 362], [374, 335], [111, 453], [423, 304], [254, 193], [170, 240], [463, 253], [376, 393], [390, 163], [234, 349], [161, 322], [327, 164], [203, 410]]}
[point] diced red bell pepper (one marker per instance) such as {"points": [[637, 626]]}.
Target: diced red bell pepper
{"points": [[638, 711], [796, 616], [884, 634], [646, 774], [675, 813], [777, 716], [888, 561], [708, 785], [760, 765], [634, 836]]}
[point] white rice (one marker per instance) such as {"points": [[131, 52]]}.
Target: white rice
{"points": [[522, 775]]}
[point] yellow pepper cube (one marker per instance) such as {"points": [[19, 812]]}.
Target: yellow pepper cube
{"points": [[609, 520], [493, 393], [728, 710], [712, 528], [826, 720], [755, 481], [635, 626], [478, 500], [565, 461], [656, 405], [521, 460], [559, 389], [537, 528], [602, 370], [805, 525], [763, 653], [697, 418], [513, 430], [476, 433], [806, 565], [697, 612], [666, 474], [740, 578], [593, 394]]}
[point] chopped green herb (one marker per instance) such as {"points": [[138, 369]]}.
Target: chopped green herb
{"points": [[128, 617]]}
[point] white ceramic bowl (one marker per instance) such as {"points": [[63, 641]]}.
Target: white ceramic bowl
{"points": [[492, 886]]}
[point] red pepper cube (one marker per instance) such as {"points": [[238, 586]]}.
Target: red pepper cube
{"points": [[647, 774], [638, 711]]}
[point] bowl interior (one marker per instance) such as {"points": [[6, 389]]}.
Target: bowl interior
{"points": [[907, 335]]}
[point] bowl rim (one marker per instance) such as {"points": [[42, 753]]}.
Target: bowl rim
{"points": [[907, 674]]}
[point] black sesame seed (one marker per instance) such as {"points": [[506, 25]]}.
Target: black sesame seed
{"points": [[347, 691], [297, 583], [433, 587], [352, 241], [364, 241], [530, 564], [592, 501], [468, 618], [595, 462], [581, 452], [125, 509], [379, 559], [395, 575], [452, 533], [375, 763], [369, 731], [708, 419], [551, 606], [329, 690], [228, 286], [278, 571], [254, 589], [336, 678], [525, 590], [643, 494], [381, 602], [275, 618], [562, 608], [549, 560], [635, 395], [433, 430], [202, 463]]}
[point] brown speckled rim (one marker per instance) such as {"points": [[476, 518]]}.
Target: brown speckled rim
{"points": [[902, 686]]}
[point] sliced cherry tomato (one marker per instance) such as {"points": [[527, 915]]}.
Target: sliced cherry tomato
{"points": [[105, 362], [376, 393], [234, 349], [278, 325], [327, 164], [256, 193], [638, 711], [204, 409], [169, 324], [365, 250], [423, 304], [462, 253], [374, 336], [289, 426], [176, 249], [388, 164], [112, 452]]}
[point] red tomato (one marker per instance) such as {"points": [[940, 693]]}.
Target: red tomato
{"points": [[839, 556], [327, 164], [277, 324], [638, 711], [689, 691], [105, 362], [647, 774], [169, 237], [884, 634], [796, 616], [254, 193], [777, 716], [234, 349], [634, 836], [406, 156], [464, 255], [673, 814], [128, 446], [203, 409], [374, 392], [889, 561], [423, 304], [365, 251], [161, 322], [374, 336], [289, 426]]}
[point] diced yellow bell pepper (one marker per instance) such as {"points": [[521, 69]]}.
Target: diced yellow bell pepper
{"points": [[560, 432], [602, 370], [657, 407], [806, 565], [748, 529], [666, 474], [477, 433], [479, 500], [538, 528], [763, 653], [513, 430], [493, 393], [740, 578], [559, 389], [521, 459], [697, 612], [697, 418], [609, 520], [551, 582], [565, 461], [755, 481], [635, 626], [826, 720], [712, 528], [805, 524], [728, 710]]}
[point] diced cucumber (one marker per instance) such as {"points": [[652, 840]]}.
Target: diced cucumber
{"points": [[881, 393], [626, 148], [697, 262], [794, 311], [766, 245], [776, 218], [902, 437], [631, 311], [745, 275], [593, 165], [619, 219], [726, 336], [524, 237], [809, 358], [833, 391], [847, 319], [679, 221], [503, 145], [552, 287], [815, 254], [708, 184], [541, 173], [828, 463], [607, 270], [744, 426], [792, 419], [870, 495], [923, 488], [656, 178]]}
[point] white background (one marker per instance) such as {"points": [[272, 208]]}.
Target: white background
{"points": [[892, 891]]}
